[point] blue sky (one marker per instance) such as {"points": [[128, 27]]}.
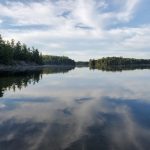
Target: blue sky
{"points": [[80, 29]]}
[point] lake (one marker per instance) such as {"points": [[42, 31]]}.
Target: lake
{"points": [[75, 109]]}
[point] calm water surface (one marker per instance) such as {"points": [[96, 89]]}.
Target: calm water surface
{"points": [[80, 109]]}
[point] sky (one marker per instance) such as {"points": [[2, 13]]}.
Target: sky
{"points": [[79, 29]]}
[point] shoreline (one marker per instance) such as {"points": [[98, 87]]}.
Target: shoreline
{"points": [[33, 67], [29, 67]]}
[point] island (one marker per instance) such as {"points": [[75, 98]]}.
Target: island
{"points": [[119, 63]]}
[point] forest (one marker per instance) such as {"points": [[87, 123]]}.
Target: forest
{"points": [[117, 61], [57, 60], [12, 53]]}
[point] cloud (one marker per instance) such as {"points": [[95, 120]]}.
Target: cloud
{"points": [[127, 10], [80, 27]]}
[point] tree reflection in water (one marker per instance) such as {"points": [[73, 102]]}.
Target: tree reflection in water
{"points": [[22, 78]]}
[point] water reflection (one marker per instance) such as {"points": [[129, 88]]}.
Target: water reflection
{"points": [[80, 110], [23, 77], [121, 68]]}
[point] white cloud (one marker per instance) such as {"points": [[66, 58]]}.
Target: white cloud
{"points": [[76, 26], [128, 10]]}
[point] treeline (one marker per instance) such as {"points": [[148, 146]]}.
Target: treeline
{"points": [[82, 63], [117, 61], [58, 60], [11, 52]]}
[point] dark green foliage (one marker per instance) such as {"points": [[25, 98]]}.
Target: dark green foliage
{"points": [[117, 61], [58, 60], [92, 63], [14, 53], [11, 52]]}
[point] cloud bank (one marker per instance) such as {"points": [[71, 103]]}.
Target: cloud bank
{"points": [[81, 29]]}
